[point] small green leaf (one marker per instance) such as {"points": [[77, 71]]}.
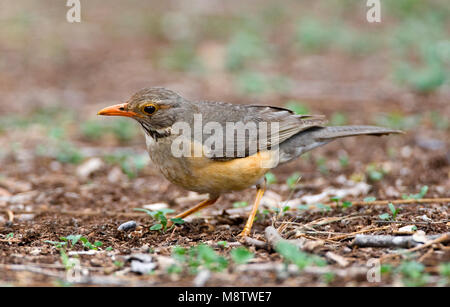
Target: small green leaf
{"points": [[385, 216], [323, 207], [392, 208], [98, 243], [302, 207], [346, 204], [369, 199], [293, 179], [73, 239], [241, 255], [270, 178], [336, 199], [156, 227], [421, 194], [177, 221], [166, 211], [240, 204]]}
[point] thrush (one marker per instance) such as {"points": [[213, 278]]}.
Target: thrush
{"points": [[184, 141]]}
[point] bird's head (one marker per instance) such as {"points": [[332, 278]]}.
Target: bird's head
{"points": [[154, 108]]}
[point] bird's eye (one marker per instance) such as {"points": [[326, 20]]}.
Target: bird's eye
{"points": [[149, 109]]}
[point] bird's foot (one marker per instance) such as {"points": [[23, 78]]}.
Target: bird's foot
{"points": [[244, 233]]}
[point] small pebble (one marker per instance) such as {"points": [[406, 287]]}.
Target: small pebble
{"points": [[127, 226]]}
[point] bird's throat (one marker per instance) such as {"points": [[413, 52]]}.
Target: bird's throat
{"points": [[156, 133]]}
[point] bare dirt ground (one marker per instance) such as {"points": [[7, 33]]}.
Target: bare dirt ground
{"points": [[60, 177]]}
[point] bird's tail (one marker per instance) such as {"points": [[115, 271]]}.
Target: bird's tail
{"points": [[327, 133], [317, 136]]}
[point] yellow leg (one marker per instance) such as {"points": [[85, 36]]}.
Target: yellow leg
{"points": [[251, 217], [201, 205]]}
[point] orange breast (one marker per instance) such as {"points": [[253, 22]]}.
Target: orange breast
{"points": [[225, 176]]}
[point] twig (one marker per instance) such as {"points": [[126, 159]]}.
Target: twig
{"points": [[341, 261], [410, 222], [440, 239], [255, 242], [11, 240], [349, 235], [92, 280], [10, 215], [398, 201], [78, 213], [354, 271], [273, 238], [396, 241]]}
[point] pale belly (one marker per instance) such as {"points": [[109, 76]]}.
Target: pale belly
{"points": [[203, 175]]}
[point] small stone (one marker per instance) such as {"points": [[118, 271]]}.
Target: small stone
{"points": [[25, 217], [90, 166], [141, 263], [409, 229], [430, 144], [127, 226], [115, 175], [426, 218], [419, 236], [202, 277], [142, 267], [406, 152]]}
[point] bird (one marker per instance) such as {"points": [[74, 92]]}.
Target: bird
{"points": [[189, 142]]}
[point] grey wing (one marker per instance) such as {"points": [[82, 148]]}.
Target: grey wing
{"points": [[258, 128]]}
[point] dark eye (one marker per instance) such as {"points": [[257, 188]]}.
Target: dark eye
{"points": [[149, 109]]}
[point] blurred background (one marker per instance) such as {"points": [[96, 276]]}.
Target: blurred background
{"points": [[320, 57]]}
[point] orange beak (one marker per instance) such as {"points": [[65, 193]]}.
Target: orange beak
{"points": [[117, 110]]}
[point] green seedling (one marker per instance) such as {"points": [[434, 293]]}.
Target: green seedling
{"points": [[292, 254], [204, 256], [392, 215], [71, 240], [369, 199], [336, 199], [160, 217], [323, 207], [293, 180], [68, 262], [374, 172], [241, 255], [413, 274], [346, 204], [240, 204], [270, 178], [421, 194], [302, 207]]}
